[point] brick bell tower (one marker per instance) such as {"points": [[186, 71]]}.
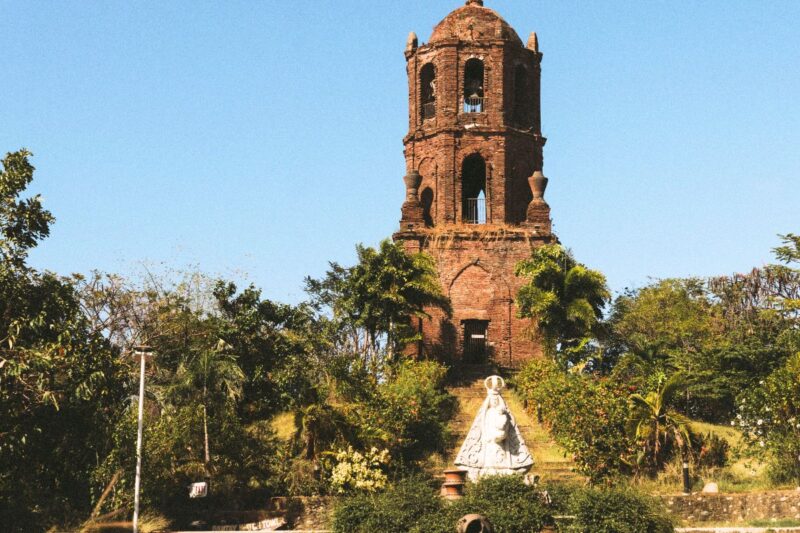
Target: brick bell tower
{"points": [[474, 182]]}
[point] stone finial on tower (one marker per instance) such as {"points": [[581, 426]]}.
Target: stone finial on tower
{"points": [[538, 215], [411, 42], [475, 3], [412, 214], [533, 42]]}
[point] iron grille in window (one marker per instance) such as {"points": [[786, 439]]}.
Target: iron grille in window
{"points": [[475, 211], [473, 104]]}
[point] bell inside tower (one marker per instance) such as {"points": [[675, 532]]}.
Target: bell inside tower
{"points": [[473, 86]]}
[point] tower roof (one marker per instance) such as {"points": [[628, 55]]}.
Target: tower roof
{"points": [[474, 22]]}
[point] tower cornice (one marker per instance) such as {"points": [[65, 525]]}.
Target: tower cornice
{"points": [[459, 131]]}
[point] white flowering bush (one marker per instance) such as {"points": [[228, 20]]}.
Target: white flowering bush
{"points": [[359, 472], [769, 418]]}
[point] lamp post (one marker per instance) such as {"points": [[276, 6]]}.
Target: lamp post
{"points": [[687, 485], [141, 352]]}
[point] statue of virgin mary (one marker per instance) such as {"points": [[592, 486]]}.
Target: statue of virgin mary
{"points": [[494, 444]]}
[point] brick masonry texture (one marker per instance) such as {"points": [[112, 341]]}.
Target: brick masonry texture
{"points": [[503, 133]]}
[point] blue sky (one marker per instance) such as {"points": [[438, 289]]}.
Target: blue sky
{"points": [[259, 140]]}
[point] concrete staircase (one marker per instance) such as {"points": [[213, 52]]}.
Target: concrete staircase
{"points": [[466, 384]]}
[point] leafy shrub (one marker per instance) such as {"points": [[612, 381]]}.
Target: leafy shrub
{"points": [[769, 418], [586, 415], [413, 505], [413, 408], [617, 510], [401, 508], [710, 450], [509, 504]]}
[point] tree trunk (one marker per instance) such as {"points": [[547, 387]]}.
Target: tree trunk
{"points": [[107, 490], [207, 454], [206, 458]]}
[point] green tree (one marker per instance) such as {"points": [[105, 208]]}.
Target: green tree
{"points": [[656, 426], [564, 298], [665, 321], [23, 222], [377, 298], [214, 375], [769, 417], [197, 422], [672, 325], [789, 252], [61, 383]]}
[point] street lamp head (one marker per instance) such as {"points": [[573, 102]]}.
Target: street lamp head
{"points": [[142, 350]]}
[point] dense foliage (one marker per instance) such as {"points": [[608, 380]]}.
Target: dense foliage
{"points": [[225, 362], [372, 303], [61, 382], [413, 505], [769, 417], [616, 510], [564, 298], [403, 507], [673, 351], [587, 415]]}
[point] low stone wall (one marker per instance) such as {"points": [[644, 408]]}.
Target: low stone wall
{"points": [[300, 513], [305, 513], [732, 508]]}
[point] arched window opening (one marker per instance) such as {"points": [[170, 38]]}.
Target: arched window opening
{"points": [[427, 81], [473, 190], [521, 97], [473, 86], [426, 199]]}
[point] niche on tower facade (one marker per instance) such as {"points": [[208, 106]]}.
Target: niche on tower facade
{"points": [[427, 90], [473, 190], [522, 97]]}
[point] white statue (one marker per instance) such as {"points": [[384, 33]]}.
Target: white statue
{"points": [[494, 444]]}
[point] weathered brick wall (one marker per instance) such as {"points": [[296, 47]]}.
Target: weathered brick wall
{"points": [[475, 263], [735, 507], [476, 270], [437, 146]]}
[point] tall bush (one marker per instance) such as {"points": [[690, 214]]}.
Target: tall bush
{"points": [[769, 417], [413, 408], [413, 506], [617, 510], [587, 416], [401, 508]]}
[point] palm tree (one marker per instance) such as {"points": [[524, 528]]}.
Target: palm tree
{"points": [[381, 299], [213, 373], [564, 298], [656, 425]]}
